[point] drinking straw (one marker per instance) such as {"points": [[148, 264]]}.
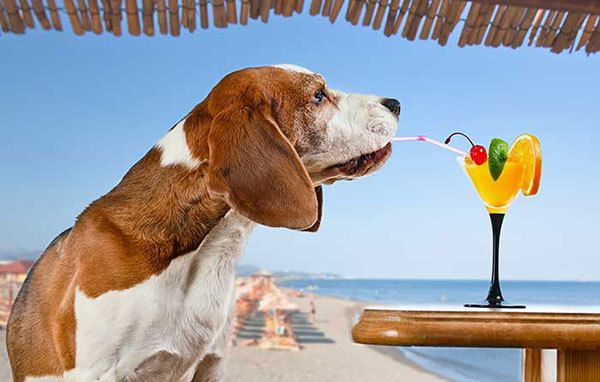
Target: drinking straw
{"points": [[423, 138]]}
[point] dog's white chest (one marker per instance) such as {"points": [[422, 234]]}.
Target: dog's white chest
{"points": [[173, 317]]}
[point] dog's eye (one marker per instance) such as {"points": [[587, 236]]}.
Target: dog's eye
{"points": [[318, 97]]}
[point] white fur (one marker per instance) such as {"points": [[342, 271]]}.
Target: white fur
{"points": [[175, 150], [294, 68], [360, 126], [183, 311]]}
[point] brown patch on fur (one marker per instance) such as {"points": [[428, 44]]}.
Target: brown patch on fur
{"points": [[258, 114], [39, 317], [209, 369], [258, 172], [154, 215], [160, 367], [288, 94]]}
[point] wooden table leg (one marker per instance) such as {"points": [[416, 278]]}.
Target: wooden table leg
{"points": [[532, 365], [578, 366], [539, 365]]}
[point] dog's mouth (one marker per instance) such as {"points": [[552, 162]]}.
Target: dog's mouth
{"points": [[366, 163]]}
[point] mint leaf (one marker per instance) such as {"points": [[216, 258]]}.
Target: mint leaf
{"points": [[497, 156]]}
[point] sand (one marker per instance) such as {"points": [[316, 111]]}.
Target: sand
{"points": [[342, 360], [328, 354]]}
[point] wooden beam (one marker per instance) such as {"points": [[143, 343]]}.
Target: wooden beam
{"points": [[84, 17], [40, 14], [95, 12], [587, 31], [133, 21], [3, 19], [335, 11], [369, 10], [593, 44], [231, 12], [435, 4], [524, 27], [148, 17], [391, 17], [204, 13], [56, 23], [578, 366], [219, 16], [26, 12], [579, 6], [115, 16], [106, 15], [174, 25], [469, 24], [72, 12], [379, 14], [278, 6], [458, 327], [537, 21], [161, 10], [288, 8], [265, 9], [531, 365], [244, 12], [254, 9]]}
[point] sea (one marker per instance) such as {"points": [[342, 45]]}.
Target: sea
{"points": [[458, 364]]}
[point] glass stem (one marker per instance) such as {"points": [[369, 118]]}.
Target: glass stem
{"points": [[495, 294]]}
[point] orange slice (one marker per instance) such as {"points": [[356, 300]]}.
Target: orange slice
{"points": [[527, 151]]}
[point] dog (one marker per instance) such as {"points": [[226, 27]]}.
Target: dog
{"points": [[141, 288]]}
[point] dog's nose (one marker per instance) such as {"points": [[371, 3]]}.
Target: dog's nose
{"points": [[392, 105]]}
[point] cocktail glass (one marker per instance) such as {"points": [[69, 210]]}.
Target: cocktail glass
{"points": [[497, 196]]}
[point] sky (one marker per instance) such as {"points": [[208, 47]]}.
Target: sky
{"points": [[77, 112]]}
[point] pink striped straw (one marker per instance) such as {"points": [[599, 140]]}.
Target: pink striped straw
{"points": [[422, 138]]}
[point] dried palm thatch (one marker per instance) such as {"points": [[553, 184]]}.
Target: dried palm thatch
{"points": [[558, 25]]}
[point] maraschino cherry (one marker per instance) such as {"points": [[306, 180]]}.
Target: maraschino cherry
{"points": [[477, 153]]}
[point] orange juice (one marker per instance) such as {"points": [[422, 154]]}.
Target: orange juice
{"points": [[497, 195]]}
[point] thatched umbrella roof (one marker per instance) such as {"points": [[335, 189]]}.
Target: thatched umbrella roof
{"points": [[558, 25]]}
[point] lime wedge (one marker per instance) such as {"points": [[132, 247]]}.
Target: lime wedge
{"points": [[497, 155]]}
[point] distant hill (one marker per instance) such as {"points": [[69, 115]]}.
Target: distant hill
{"points": [[246, 270], [249, 269], [294, 275], [18, 254]]}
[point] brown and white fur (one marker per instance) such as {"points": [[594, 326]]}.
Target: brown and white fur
{"points": [[141, 288]]}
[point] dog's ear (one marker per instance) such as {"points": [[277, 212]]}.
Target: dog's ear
{"points": [[253, 165], [319, 194]]}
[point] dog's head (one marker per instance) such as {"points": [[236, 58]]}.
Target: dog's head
{"points": [[273, 135]]}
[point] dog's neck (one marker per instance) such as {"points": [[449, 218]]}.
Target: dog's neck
{"points": [[166, 208]]}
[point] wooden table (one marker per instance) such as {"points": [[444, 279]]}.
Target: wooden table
{"points": [[575, 333]]}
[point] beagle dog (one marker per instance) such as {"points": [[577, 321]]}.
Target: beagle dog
{"points": [[141, 288]]}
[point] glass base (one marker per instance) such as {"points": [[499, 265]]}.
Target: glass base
{"points": [[501, 305]]}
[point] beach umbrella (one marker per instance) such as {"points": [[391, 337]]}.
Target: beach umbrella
{"points": [[275, 300], [557, 25]]}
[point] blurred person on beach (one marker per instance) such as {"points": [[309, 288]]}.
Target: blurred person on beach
{"points": [[313, 310]]}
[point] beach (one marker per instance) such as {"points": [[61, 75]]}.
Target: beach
{"points": [[340, 360], [327, 353]]}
